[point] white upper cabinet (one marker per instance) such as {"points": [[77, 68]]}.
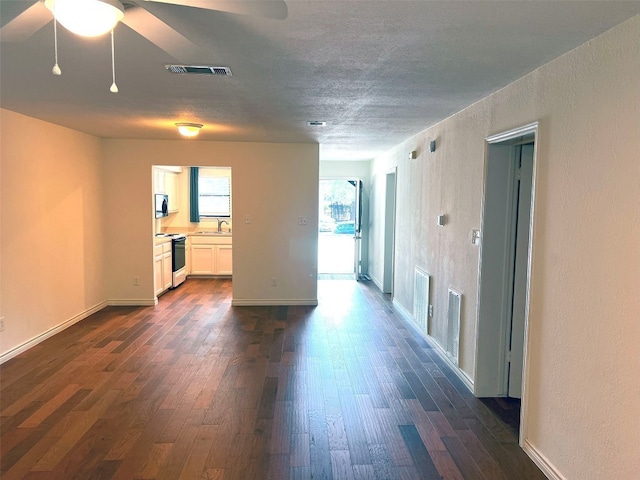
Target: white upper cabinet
{"points": [[165, 180]]}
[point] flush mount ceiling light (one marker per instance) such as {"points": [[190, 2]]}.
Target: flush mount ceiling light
{"points": [[189, 129], [88, 18]]}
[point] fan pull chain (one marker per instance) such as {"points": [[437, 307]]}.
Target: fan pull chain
{"points": [[114, 87], [56, 68]]}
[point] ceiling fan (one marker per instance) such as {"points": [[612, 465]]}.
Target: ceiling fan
{"points": [[99, 17]]}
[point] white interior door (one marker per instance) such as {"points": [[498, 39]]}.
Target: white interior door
{"points": [[357, 237], [521, 252]]}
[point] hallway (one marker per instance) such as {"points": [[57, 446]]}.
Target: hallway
{"points": [[193, 388]]}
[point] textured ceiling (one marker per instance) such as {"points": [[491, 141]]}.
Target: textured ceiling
{"points": [[376, 72]]}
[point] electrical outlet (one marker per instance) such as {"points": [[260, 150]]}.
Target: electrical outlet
{"points": [[136, 281], [274, 282], [1, 324], [302, 220]]}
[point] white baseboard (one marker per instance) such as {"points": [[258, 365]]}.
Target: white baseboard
{"points": [[405, 314], [376, 282], [135, 302], [542, 462], [50, 333], [273, 303], [462, 375], [408, 319]]}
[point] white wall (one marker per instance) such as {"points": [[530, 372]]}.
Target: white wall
{"points": [[583, 392], [273, 183], [52, 250], [346, 169], [77, 223]]}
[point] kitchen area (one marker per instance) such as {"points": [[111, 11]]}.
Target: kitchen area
{"points": [[192, 226]]}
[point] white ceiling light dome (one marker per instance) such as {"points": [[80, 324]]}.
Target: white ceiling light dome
{"points": [[88, 18], [189, 129]]}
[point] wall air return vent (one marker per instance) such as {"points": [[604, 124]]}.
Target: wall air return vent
{"points": [[453, 325], [199, 70]]}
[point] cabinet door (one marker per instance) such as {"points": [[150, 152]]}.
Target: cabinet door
{"points": [[158, 181], [171, 189], [202, 259], [158, 284], [224, 263], [167, 273]]}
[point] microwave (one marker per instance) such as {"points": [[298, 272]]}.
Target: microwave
{"points": [[162, 205]]}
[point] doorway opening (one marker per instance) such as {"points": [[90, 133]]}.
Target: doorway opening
{"points": [[505, 266], [199, 207], [339, 228]]}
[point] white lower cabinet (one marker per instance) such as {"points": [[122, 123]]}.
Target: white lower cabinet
{"points": [[167, 270], [211, 255], [163, 272], [224, 260], [157, 273], [202, 259]]}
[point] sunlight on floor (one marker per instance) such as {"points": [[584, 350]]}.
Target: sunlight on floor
{"points": [[335, 298]]}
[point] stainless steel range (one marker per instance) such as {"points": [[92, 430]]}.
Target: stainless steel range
{"points": [[178, 258]]}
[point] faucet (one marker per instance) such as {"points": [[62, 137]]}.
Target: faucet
{"points": [[220, 222]]}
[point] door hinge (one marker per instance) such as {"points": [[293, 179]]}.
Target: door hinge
{"points": [[509, 356]]}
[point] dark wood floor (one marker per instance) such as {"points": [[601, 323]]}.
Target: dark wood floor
{"points": [[196, 389]]}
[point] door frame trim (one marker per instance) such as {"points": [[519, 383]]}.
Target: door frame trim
{"points": [[510, 135], [508, 138]]}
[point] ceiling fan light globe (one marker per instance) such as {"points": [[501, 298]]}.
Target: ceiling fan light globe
{"points": [[189, 129], [87, 18]]}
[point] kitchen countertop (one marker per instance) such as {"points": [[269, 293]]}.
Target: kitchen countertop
{"points": [[161, 239], [212, 233]]}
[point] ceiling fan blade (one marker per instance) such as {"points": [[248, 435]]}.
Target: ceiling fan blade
{"points": [[161, 34], [274, 9], [26, 24]]}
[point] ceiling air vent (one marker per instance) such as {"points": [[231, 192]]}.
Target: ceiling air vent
{"points": [[199, 70]]}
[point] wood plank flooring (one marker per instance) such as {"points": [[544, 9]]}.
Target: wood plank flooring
{"points": [[195, 389]]}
